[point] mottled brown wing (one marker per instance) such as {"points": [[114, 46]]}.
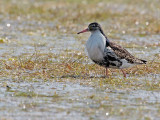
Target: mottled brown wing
{"points": [[124, 54]]}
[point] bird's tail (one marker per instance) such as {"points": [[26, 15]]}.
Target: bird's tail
{"points": [[143, 61]]}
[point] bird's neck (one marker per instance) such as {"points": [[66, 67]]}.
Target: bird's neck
{"points": [[101, 32], [95, 32]]}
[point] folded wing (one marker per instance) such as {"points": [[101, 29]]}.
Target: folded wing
{"points": [[124, 54]]}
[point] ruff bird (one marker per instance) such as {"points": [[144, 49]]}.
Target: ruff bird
{"points": [[106, 53]]}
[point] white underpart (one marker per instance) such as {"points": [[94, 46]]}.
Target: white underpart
{"points": [[96, 45], [126, 64]]}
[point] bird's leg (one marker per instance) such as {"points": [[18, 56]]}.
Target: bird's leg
{"points": [[124, 74], [106, 71]]}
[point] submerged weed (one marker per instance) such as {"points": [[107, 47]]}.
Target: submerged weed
{"points": [[73, 65]]}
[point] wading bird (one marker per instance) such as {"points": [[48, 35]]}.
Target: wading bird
{"points": [[106, 53]]}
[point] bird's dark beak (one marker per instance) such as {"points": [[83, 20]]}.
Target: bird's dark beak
{"points": [[85, 30]]}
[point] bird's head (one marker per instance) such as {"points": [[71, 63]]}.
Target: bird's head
{"points": [[91, 27]]}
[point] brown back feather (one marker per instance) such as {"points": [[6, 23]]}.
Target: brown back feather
{"points": [[124, 54]]}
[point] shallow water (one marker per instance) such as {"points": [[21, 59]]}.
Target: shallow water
{"points": [[75, 101], [73, 97]]}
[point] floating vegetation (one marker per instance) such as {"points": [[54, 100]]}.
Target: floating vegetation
{"points": [[71, 64]]}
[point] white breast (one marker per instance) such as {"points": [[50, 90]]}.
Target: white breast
{"points": [[96, 45]]}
